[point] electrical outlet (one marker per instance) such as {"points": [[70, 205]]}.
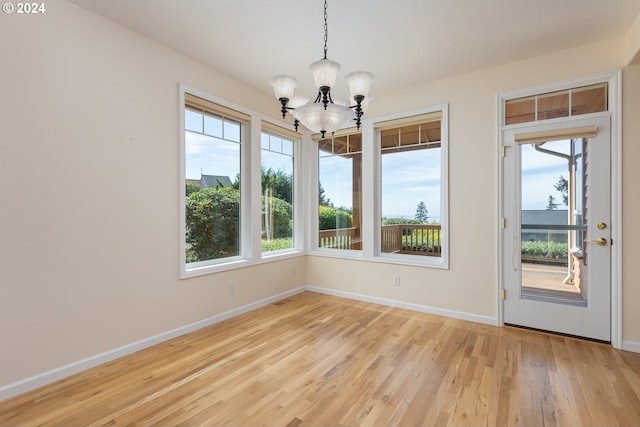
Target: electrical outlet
{"points": [[232, 287], [396, 280], [293, 271]]}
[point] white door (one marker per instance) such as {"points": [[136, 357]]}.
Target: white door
{"points": [[556, 257]]}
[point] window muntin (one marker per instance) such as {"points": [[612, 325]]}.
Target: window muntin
{"points": [[563, 103], [340, 192], [411, 188], [212, 183], [277, 177]]}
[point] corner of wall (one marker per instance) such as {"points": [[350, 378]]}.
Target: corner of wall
{"points": [[632, 43]]}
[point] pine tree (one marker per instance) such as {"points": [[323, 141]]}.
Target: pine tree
{"points": [[422, 214]]}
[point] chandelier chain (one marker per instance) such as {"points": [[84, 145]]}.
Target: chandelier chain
{"points": [[325, 29]]}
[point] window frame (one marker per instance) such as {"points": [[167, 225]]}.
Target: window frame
{"points": [[296, 232], [371, 194], [250, 192], [315, 241], [407, 118]]}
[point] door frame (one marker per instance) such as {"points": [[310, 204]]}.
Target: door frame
{"points": [[614, 80]]}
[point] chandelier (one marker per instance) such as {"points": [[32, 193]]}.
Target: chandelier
{"points": [[324, 115]]}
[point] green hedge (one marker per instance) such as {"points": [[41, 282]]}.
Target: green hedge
{"points": [[212, 224], [331, 218], [277, 244], [543, 249]]}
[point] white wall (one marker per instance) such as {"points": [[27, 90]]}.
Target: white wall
{"points": [[89, 179], [89, 185], [470, 285]]}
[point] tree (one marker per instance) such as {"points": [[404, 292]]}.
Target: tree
{"points": [[278, 221], [192, 187], [563, 187], [422, 214], [323, 200], [279, 182], [213, 224], [551, 204]]}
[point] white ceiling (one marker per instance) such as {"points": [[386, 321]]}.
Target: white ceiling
{"points": [[404, 42]]}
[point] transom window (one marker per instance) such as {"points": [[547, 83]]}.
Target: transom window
{"points": [[562, 103]]}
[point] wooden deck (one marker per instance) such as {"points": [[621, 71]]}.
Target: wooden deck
{"points": [[548, 277], [545, 283], [314, 359]]}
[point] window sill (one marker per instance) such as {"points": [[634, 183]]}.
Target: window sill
{"points": [[408, 260], [237, 263]]}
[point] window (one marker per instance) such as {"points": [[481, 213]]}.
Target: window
{"points": [[563, 103], [213, 136], [413, 219], [340, 192], [277, 164]]}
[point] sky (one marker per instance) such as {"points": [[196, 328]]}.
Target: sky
{"points": [[408, 178], [223, 159], [539, 174]]}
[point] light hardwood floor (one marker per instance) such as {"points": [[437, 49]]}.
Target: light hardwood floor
{"points": [[314, 359]]}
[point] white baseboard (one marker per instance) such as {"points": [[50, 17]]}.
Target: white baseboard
{"points": [[44, 378], [631, 346], [36, 381], [407, 305]]}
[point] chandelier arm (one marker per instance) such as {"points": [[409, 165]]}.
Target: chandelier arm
{"points": [[284, 108], [358, 109]]}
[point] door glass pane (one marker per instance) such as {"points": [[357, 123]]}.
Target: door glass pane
{"points": [[553, 222]]}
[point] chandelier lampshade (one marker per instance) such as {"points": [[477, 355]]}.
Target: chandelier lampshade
{"points": [[283, 86], [325, 72], [317, 118], [324, 115], [359, 82]]}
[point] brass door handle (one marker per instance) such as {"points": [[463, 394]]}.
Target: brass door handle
{"points": [[601, 241]]}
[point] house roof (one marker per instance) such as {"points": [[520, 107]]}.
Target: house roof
{"points": [[212, 181], [545, 217], [404, 42]]}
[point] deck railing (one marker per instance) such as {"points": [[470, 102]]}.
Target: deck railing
{"points": [[338, 238], [415, 239]]}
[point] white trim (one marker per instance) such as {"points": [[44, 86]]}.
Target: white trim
{"points": [[52, 375], [615, 106], [249, 216], [561, 85], [614, 79], [371, 125], [487, 320], [309, 192]]}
